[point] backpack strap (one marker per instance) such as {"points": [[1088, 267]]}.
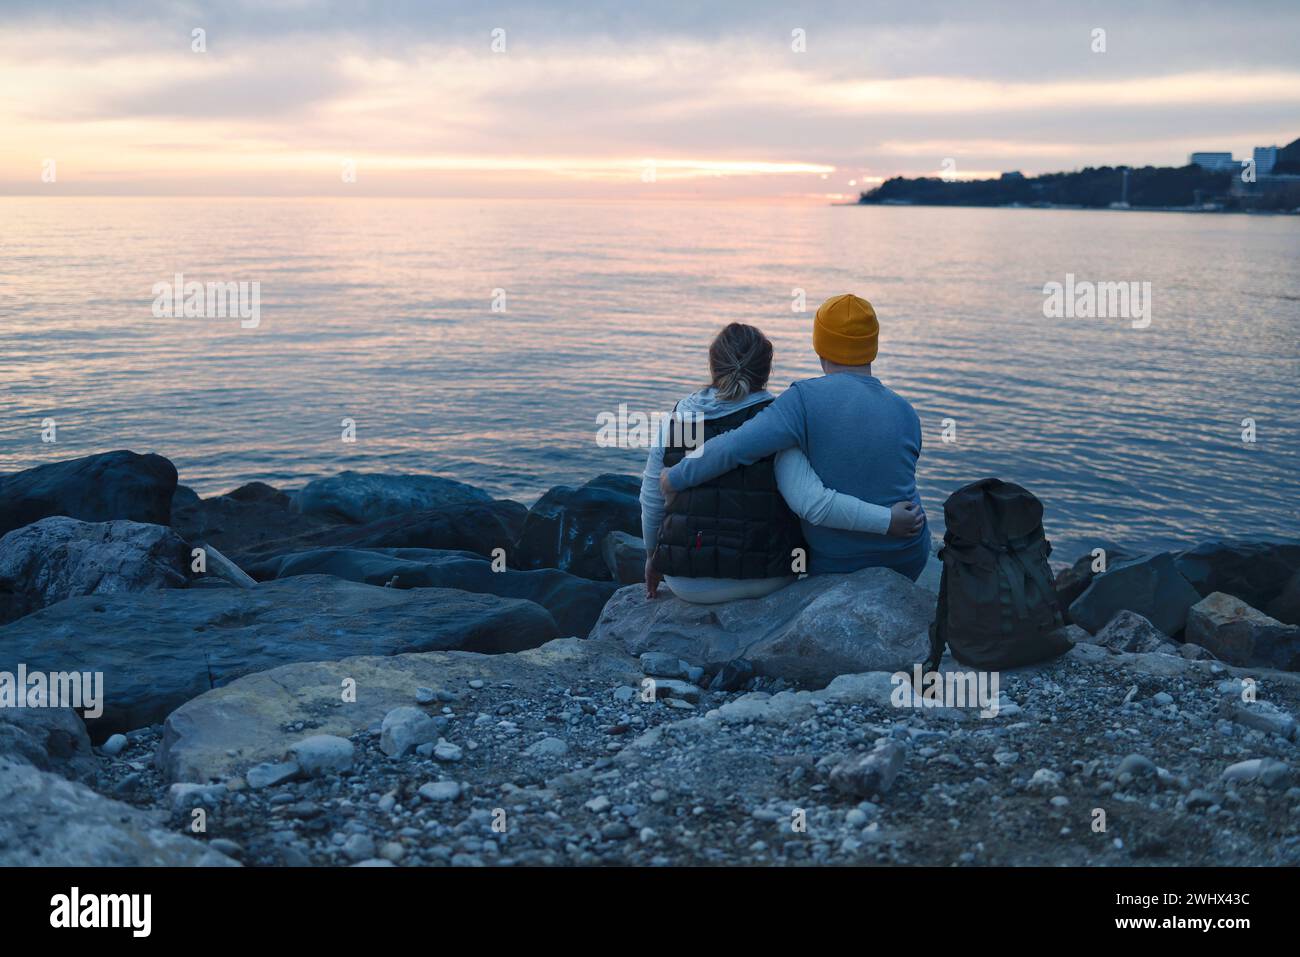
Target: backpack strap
{"points": [[938, 627]]}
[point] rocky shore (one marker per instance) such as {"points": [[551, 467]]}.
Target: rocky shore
{"points": [[389, 670]]}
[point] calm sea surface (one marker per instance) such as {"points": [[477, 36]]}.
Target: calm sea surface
{"points": [[381, 311]]}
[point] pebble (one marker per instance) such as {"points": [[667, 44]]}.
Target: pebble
{"points": [[114, 745], [405, 728], [446, 751], [1137, 765], [440, 791], [322, 754], [598, 805], [547, 748], [477, 683], [227, 847], [270, 774], [359, 847]]}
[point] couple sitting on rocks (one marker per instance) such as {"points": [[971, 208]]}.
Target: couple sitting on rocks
{"points": [[820, 479]]}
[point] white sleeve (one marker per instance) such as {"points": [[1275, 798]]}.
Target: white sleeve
{"points": [[812, 501], [652, 499]]}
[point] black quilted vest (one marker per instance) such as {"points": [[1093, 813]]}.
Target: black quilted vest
{"points": [[735, 526]]}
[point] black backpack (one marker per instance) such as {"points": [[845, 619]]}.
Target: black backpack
{"points": [[997, 605]]}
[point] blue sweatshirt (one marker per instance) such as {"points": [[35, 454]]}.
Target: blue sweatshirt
{"points": [[861, 438]]}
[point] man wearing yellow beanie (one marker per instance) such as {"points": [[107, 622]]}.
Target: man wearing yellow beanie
{"points": [[862, 439]]}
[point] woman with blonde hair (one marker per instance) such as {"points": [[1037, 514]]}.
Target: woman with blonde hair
{"points": [[739, 535]]}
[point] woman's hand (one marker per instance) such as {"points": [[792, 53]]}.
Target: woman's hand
{"points": [[652, 579], [906, 519], [666, 487]]}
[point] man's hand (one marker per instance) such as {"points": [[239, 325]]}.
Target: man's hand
{"points": [[906, 519], [652, 579], [666, 487]]}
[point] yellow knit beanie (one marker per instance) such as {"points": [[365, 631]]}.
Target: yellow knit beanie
{"points": [[845, 331]]}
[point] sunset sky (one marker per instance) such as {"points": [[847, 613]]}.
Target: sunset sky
{"points": [[623, 100]]}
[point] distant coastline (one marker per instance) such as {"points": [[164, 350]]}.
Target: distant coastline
{"points": [[1185, 189]]}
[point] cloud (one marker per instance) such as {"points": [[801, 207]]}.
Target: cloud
{"points": [[588, 92]]}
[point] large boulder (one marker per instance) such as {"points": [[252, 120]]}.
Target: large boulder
{"points": [[1242, 635], [624, 556], [1150, 586], [1255, 572], [243, 522], [1286, 606], [478, 527], [567, 526], [51, 739], [252, 720], [96, 488], [573, 602], [362, 497], [157, 650], [49, 821], [808, 632], [1073, 580], [57, 558]]}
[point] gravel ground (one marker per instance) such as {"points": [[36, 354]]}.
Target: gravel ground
{"points": [[593, 775]]}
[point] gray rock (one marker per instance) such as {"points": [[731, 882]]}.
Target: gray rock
{"points": [[269, 774], [49, 821], [359, 847], [227, 847], [624, 556], [573, 602], [447, 752], [1260, 715], [1138, 765], [322, 754], [1235, 632], [362, 497], [58, 557], [1150, 586], [114, 745], [1266, 771], [1285, 607], [405, 728], [1130, 632], [808, 632], [96, 488], [659, 665], [681, 690], [1255, 572], [244, 522], [1044, 779], [222, 732], [863, 775], [187, 796], [160, 649], [49, 739], [547, 748], [440, 791], [1072, 580], [567, 526], [478, 528]]}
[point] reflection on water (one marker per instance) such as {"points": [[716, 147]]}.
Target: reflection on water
{"points": [[382, 311]]}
